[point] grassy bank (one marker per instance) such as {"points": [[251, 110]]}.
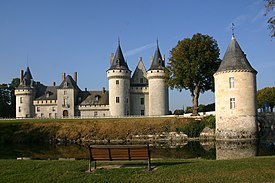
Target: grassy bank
{"points": [[258, 169], [39, 130]]}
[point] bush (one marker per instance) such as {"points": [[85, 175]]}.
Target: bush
{"points": [[210, 121], [192, 129], [179, 112]]}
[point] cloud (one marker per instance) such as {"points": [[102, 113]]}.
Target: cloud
{"points": [[139, 49]]}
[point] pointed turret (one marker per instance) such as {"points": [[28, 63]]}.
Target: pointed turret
{"points": [[27, 78], [235, 96], [235, 59], [158, 62], [119, 61]]}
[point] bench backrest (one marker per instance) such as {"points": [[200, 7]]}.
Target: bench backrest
{"points": [[115, 152]]}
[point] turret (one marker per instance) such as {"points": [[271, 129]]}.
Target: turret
{"points": [[235, 95], [25, 93], [158, 90], [119, 85]]}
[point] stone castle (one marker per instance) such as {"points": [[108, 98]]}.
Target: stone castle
{"points": [[143, 93]]}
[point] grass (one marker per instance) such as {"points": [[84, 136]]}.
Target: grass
{"points": [[257, 169]]}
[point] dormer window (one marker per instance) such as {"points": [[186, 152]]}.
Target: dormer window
{"points": [[48, 94], [97, 98], [65, 84]]}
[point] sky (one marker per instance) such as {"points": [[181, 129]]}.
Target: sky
{"points": [[55, 36]]}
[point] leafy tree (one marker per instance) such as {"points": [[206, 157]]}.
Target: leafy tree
{"points": [[179, 112], [266, 95], [192, 65], [269, 5], [7, 99]]}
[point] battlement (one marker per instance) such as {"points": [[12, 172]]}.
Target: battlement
{"points": [[155, 74], [138, 89], [118, 74], [23, 92]]}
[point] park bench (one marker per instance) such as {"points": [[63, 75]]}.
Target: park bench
{"points": [[119, 153]]}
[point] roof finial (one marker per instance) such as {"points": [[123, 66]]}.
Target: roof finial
{"points": [[232, 29], [157, 42], [118, 41]]}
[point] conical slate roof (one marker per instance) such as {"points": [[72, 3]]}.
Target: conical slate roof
{"points": [[27, 79], [158, 63], [119, 61], [235, 59]]}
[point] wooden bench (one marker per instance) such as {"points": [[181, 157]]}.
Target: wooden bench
{"points": [[119, 153]]}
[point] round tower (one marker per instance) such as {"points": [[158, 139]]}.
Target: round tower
{"points": [[235, 95], [24, 96], [158, 90], [119, 85]]}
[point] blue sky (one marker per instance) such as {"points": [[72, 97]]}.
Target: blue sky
{"points": [[55, 36]]}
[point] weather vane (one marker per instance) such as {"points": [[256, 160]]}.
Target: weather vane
{"points": [[232, 28]]}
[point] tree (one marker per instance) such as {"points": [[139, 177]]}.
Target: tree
{"points": [[269, 5], [266, 95], [7, 99], [192, 65]]}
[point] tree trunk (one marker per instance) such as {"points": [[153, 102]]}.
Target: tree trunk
{"points": [[195, 100]]}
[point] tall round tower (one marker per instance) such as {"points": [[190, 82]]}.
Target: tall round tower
{"points": [[235, 95], [119, 85], [158, 90], [24, 96]]}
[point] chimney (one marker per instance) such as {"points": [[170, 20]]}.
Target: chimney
{"points": [[103, 90], [111, 58], [63, 76], [21, 76], [151, 60], [85, 89], [75, 77], [53, 83]]}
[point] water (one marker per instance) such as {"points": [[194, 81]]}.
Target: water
{"points": [[180, 150]]}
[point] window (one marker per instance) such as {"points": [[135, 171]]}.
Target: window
{"points": [[42, 115], [141, 80], [48, 94], [53, 108], [50, 115], [95, 113], [117, 82], [21, 100], [97, 98], [231, 82], [117, 99], [19, 109], [38, 109], [232, 103], [65, 92], [142, 112], [141, 101]]}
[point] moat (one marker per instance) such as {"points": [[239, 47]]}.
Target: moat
{"points": [[176, 150]]}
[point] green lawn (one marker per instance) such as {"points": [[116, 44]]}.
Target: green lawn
{"points": [[258, 169]]}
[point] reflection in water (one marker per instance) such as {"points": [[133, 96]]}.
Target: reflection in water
{"points": [[182, 150], [235, 149]]}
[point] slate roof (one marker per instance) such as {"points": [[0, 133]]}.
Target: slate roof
{"points": [[140, 72], [49, 93], [235, 59], [119, 61], [68, 83], [27, 80], [95, 98], [158, 62]]}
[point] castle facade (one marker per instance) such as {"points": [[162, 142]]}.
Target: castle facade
{"points": [[142, 93]]}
